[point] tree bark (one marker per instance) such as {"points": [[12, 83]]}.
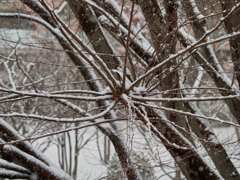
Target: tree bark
{"points": [[232, 25]]}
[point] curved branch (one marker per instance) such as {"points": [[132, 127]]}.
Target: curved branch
{"points": [[61, 120], [11, 166], [13, 175], [49, 95]]}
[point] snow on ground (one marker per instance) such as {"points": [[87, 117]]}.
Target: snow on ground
{"points": [[90, 167]]}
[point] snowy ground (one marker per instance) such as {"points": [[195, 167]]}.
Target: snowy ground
{"points": [[91, 168]]}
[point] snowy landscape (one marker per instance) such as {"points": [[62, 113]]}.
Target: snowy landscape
{"points": [[120, 89]]}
